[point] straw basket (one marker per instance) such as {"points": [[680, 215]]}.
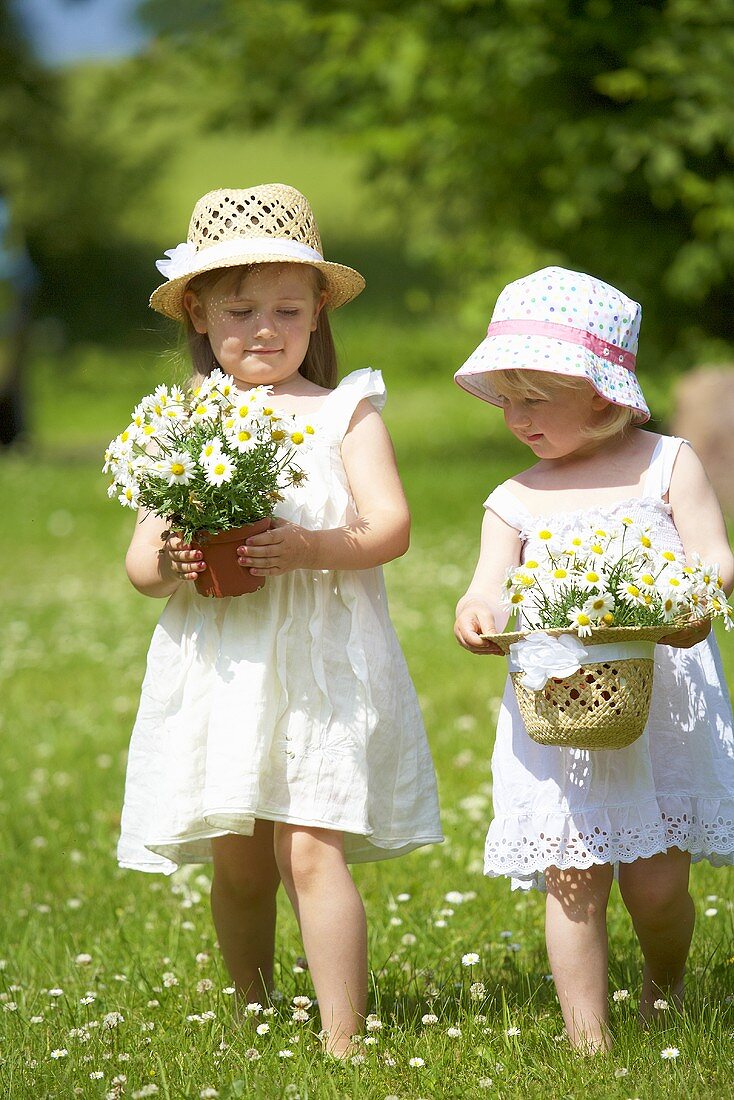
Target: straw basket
{"points": [[603, 704]]}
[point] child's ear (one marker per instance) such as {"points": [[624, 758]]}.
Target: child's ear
{"points": [[599, 403], [195, 310], [319, 306]]}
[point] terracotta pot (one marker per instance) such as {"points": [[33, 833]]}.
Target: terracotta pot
{"points": [[224, 576]]}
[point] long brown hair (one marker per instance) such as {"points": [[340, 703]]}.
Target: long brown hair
{"points": [[320, 363]]}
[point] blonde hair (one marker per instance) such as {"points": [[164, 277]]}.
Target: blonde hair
{"points": [[544, 384], [320, 363]]}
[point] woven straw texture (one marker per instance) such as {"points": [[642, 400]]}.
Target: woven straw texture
{"points": [[602, 706], [271, 210]]}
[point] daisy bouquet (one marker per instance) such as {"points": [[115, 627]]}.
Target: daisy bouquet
{"points": [[591, 606], [597, 578], [208, 459]]}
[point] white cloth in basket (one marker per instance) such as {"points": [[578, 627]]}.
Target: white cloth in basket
{"points": [[292, 703], [673, 787]]}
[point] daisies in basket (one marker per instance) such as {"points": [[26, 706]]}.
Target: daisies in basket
{"points": [[593, 578], [208, 459]]}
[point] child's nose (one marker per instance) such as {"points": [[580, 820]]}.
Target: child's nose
{"points": [[265, 328]]}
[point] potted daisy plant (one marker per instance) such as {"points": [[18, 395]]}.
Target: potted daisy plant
{"points": [[212, 461]]}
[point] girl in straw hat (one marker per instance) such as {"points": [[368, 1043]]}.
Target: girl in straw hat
{"points": [[279, 734], [559, 359]]}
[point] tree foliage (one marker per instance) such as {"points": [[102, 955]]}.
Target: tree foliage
{"points": [[598, 132]]}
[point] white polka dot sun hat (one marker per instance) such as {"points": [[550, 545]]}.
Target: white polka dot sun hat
{"points": [[563, 322], [270, 223]]}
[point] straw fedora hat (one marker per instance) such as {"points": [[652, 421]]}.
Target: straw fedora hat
{"points": [[271, 223]]}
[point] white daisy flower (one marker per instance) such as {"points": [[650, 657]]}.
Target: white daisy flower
{"points": [[590, 580], [219, 471], [128, 496], [211, 451], [177, 468], [470, 959], [416, 1063], [670, 1053], [203, 409], [598, 605], [545, 535], [582, 622], [243, 438], [631, 593]]}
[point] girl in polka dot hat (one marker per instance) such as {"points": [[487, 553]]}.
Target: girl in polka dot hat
{"points": [[559, 358]]}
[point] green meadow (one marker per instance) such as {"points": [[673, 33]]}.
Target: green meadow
{"points": [[110, 980]]}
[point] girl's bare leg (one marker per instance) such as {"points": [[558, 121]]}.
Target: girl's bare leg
{"points": [[333, 926], [655, 892], [244, 886], [576, 937]]}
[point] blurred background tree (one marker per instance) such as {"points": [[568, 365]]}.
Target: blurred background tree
{"points": [[599, 133]]}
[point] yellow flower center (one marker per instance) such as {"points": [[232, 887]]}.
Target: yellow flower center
{"points": [[177, 468], [545, 535], [592, 577], [668, 555], [608, 618], [244, 436], [278, 434], [517, 597], [243, 411], [633, 590], [646, 542], [219, 468], [598, 604], [309, 430], [297, 438], [674, 582], [647, 578], [583, 620], [560, 574], [200, 410]]}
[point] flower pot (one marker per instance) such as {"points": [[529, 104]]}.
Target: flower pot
{"points": [[224, 576]]}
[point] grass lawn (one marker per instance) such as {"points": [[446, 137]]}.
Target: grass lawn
{"points": [[110, 980]]}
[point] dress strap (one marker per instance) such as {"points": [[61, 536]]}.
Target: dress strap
{"points": [[507, 506], [660, 470], [338, 408]]}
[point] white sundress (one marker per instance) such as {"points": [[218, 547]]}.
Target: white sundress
{"points": [[292, 703], [673, 787]]}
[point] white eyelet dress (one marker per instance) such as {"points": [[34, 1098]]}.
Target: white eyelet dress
{"points": [[292, 703], [673, 787]]}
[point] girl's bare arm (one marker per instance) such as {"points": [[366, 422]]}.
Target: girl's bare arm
{"points": [[480, 611], [381, 531]]}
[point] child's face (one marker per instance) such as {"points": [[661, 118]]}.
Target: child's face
{"points": [[259, 328], [555, 426]]}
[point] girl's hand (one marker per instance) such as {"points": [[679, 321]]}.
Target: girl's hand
{"points": [[474, 618], [688, 636], [282, 548], [185, 562]]}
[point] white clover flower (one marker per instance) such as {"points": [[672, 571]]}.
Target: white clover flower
{"points": [[621, 1072], [373, 1023], [299, 1016], [96, 1075], [470, 959], [285, 1053], [403, 897], [56, 993], [83, 960], [670, 1053], [269, 1011], [370, 1040], [416, 1063], [146, 1090], [169, 979], [485, 1083], [453, 1032], [303, 1002], [252, 1054], [204, 985], [621, 995], [660, 1004], [208, 1094], [254, 1008], [429, 1019], [112, 1020], [36, 1020], [357, 1060], [710, 912], [477, 991]]}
